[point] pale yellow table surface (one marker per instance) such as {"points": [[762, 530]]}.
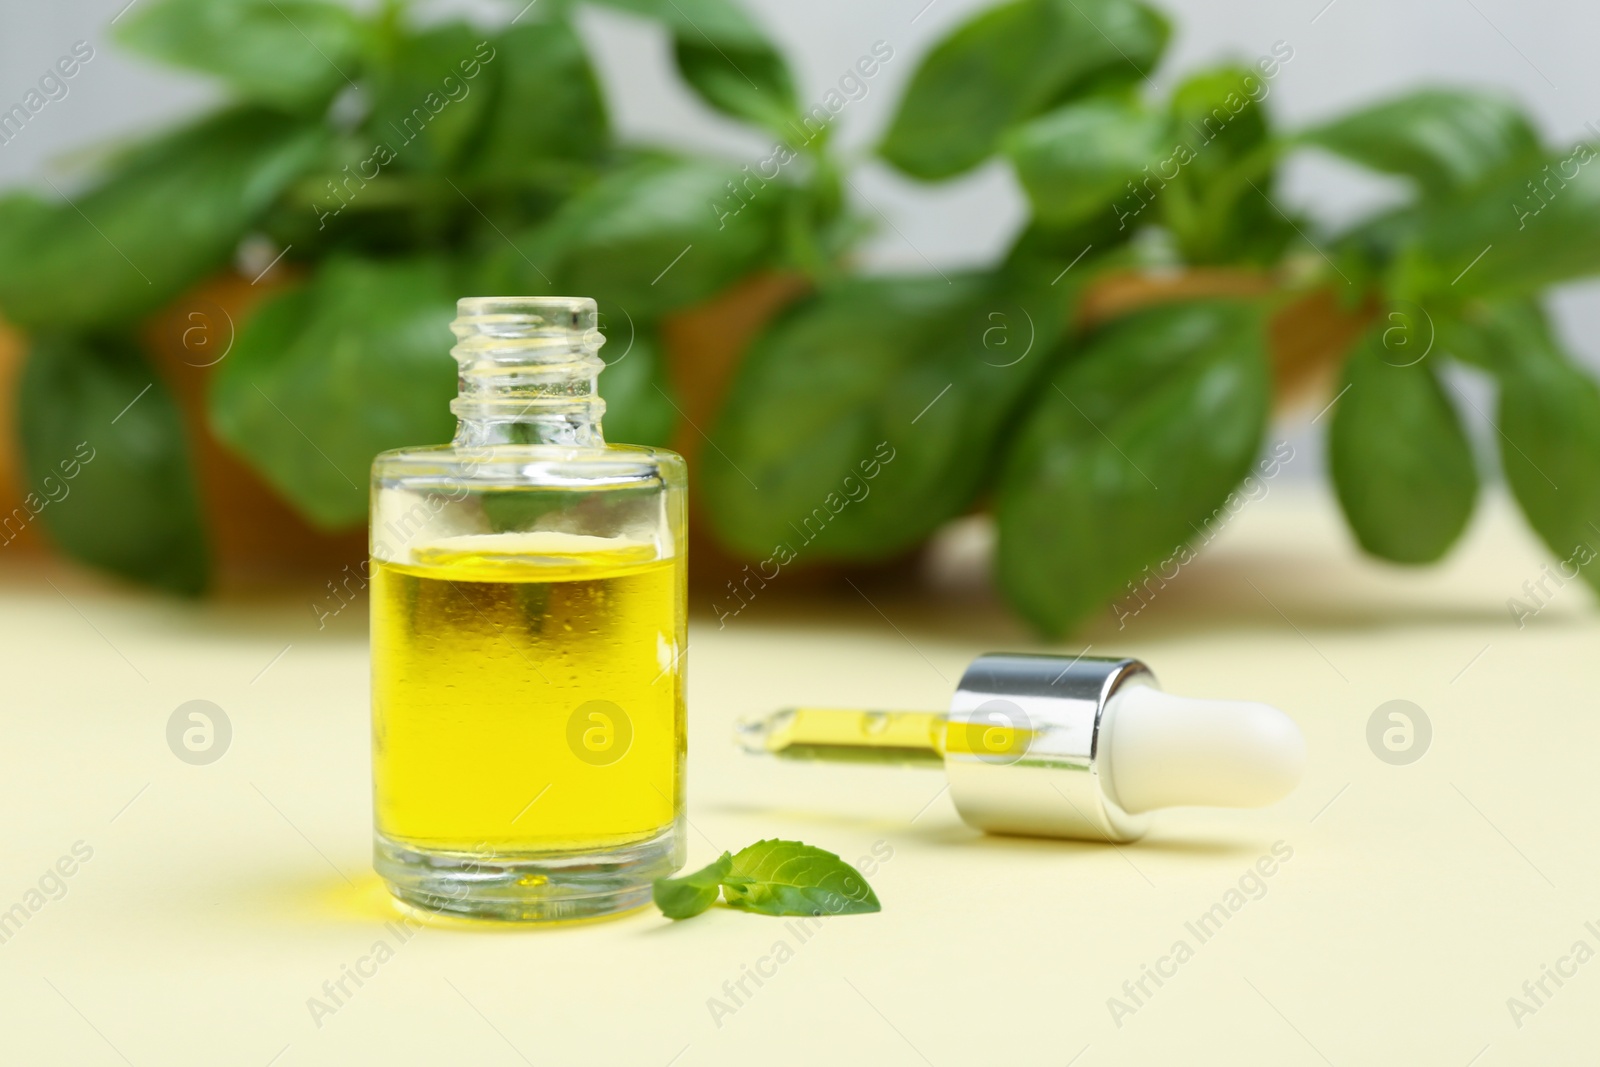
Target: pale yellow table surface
{"points": [[219, 899]]}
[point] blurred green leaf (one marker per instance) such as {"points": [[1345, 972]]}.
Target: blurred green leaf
{"points": [[725, 56], [751, 82], [167, 216], [430, 96], [720, 22], [658, 234], [291, 53], [1535, 227], [108, 462], [1078, 161], [327, 375], [1214, 187], [1368, 250], [1400, 459], [547, 108], [1445, 140], [1010, 63], [1549, 421], [634, 384], [1131, 445], [1055, 255], [1219, 113], [868, 414]]}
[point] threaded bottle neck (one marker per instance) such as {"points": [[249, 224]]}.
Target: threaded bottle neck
{"points": [[529, 370]]}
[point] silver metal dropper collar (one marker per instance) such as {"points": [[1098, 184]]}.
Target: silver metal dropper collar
{"points": [[1024, 751]]}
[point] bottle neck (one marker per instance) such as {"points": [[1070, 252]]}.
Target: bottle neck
{"points": [[529, 372]]}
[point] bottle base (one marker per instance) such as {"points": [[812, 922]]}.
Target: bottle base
{"points": [[531, 887]]}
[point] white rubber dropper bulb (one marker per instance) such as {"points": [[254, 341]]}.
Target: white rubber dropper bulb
{"points": [[1166, 751]]}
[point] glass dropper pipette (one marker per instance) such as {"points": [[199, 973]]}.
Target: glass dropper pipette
{"points": [[1048, 746]]}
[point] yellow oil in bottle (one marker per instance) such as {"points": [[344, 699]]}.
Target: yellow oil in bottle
{"points": [[527, 694]]}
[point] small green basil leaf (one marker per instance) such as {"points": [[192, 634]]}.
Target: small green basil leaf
{"points": [[1080, 160], [1131, 444], [751, 83], [1400, 459], [1445, 140], [1008, 64], [689, 895], [327, 375], [868, 414], [1549, 422], [547, 112], [633, 385], [108, 462], [660, 233], [168, 215], [789, 878], [1511, 237], [430, 96], [291, 53]]}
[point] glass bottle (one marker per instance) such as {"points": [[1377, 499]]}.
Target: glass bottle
{"points": [[528, 631]]}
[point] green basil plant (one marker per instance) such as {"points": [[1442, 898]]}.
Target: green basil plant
{"points": [[394, 164]]}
